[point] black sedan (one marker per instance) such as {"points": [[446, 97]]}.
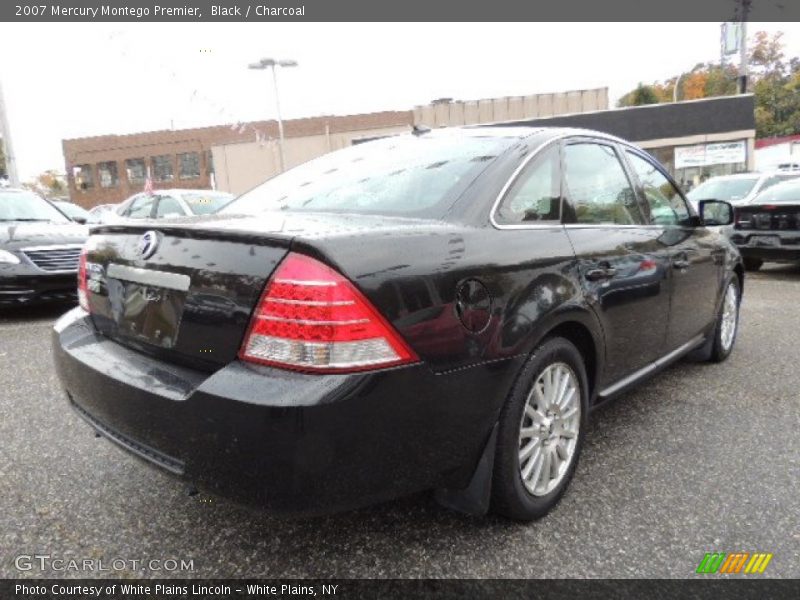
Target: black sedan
{"points": [[768, 229], [439, 310], [39, 250]]}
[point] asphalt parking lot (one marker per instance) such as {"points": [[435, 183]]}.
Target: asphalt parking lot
{"points": [[701, 458]]}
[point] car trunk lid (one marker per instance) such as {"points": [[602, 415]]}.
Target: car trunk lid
{"points": [[177, 291]]}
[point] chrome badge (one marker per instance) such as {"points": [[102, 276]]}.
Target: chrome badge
{"points": [[148, 244]]}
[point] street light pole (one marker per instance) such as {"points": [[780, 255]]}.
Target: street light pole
{"points": [[5, 133], [271, 63]]}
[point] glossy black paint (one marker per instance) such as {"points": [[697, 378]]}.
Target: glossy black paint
{"points": [[25, 283], [473, 301]]}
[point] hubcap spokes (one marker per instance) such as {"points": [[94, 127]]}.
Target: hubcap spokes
{"points": [[549, 429], [730, 306]]}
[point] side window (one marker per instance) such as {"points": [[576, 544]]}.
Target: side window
{"points": [[141, 207], [536, 194], [666, 205], [598, 186], [168, 207]]}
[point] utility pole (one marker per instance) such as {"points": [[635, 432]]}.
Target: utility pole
{"points": [[5, 133], [743, 47]]}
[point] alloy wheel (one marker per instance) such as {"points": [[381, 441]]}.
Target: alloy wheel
{"points": [[548, 434], [730, 309]]}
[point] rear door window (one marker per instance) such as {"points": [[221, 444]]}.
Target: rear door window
{"points": [[536, 194], [598, 187], [141, 207], [168, 207]]}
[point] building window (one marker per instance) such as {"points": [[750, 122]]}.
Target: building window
{"points": [[161, 167], [136, 171], [107, 174], [84, 178], [189, 165]]}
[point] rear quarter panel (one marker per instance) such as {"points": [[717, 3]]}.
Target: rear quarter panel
{"points": [[413, 279]]}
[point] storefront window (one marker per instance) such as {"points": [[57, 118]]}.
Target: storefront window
{"points": [[692, 165], [189, 165], [84, 178], [136, 170], [108, 175], [162, 167]]}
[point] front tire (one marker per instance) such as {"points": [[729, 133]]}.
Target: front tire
{"points": [[541, 432], [727, 322]]}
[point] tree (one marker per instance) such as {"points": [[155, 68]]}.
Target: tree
{"points": [[774, 82], [643, 94], [50, 183]]}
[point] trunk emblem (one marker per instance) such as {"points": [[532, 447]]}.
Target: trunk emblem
{"points": [[147, 245]]}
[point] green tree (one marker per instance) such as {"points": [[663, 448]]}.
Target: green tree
{"points": [[643, 94], [773, 80]]}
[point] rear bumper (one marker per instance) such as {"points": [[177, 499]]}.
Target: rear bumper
{"points": [[16, 290], [787, 250], [281, 440]]}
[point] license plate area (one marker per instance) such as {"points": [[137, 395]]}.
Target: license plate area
{"points": [[764, 241], [147, 305]]}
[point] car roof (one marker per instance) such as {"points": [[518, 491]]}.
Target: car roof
{"points": [[522, 131], [791, 182]]}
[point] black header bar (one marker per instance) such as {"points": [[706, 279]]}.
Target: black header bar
{"points": [[407, 11]]}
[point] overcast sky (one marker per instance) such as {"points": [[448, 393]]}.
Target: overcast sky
{"points": [[64, 81]]}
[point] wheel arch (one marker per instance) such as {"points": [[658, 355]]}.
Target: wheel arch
{"points": [[581, 327]]}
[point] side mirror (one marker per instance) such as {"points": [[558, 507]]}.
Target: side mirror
{"points": [[81, 220], [715, 213]]}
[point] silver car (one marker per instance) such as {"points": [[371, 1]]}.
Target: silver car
{"points": [[738, 189], [163, 204]]}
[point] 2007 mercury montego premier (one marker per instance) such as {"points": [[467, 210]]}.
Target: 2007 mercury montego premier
{"points": [[438, 310]]}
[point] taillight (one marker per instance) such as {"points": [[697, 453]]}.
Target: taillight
{"points": [[83, 289], [311, 318]]}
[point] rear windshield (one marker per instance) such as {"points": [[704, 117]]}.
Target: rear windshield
{"points": [[783, 193], [723, 189], [404, 176], [206, 203], [27, 206]]}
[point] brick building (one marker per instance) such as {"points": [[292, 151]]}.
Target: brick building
{"points": [[110, 168]]}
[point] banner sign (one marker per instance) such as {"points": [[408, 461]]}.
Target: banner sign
{"points": [[703, 155]]}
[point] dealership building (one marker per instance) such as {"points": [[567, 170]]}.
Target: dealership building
{"points": [[695, 140]]}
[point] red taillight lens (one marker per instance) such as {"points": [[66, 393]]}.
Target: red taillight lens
{"points": [[83, 289], [311, 318]]}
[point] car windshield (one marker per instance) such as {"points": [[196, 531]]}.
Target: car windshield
{"points": [[206, 203], [783, 193], [403, 176], [27, 206], [723, 189]]}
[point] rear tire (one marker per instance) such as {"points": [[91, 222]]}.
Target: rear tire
{"points": [[752, 264], [727, 322], [541, 432]]}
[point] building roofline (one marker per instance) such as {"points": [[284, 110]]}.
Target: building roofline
{"points": [[234, 127]]}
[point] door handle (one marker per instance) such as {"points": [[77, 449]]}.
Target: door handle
{"points": [[681, 263], [600, 273]]}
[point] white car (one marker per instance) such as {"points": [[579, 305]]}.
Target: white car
{"points": [[738, 189], [164, 204]]}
